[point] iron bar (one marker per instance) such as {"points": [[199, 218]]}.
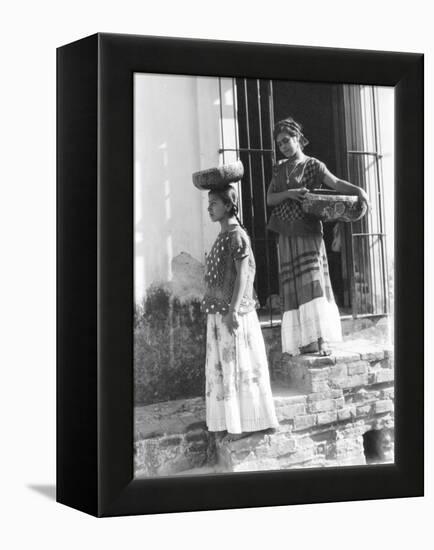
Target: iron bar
{"points": [[271, 110], [235, 117], [377, 268], [221, 118], [380, 201], [264, 199], [273, 161], [250, 162], [248, 150], [353, 267], [369, 283], [378, 155], [368, 234]]}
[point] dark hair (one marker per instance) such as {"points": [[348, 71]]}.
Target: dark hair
{"points": [[229, 195], [293, 128]]}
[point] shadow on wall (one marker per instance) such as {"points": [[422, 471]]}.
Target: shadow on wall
{"points": [[169, 347]]}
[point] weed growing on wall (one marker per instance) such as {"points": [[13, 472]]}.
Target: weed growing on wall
{"points": [[169, 348]]}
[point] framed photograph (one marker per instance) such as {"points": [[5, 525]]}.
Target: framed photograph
{"points": [[240, 255]]}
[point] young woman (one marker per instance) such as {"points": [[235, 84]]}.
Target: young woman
{"points": [[310, 315], [238, 393]]}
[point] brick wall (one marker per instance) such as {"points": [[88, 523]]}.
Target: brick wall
{"points": [[325, 405]]}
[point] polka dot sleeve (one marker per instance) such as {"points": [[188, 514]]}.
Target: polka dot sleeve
{"points": [[239, 246]]}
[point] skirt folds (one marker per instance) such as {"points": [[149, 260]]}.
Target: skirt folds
{"points": [[308, 304], [238, 393]]}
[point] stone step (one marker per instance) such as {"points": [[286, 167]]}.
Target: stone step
{"points": [[171, 437], [316, 429], [324, 406], [375, 327], [352, 364], [289, 450]]}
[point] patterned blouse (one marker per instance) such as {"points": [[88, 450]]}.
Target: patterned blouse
{"points": [[287, 217], [220, 273]]}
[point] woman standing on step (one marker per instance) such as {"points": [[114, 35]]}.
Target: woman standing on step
{"points": [[238, 393], [310, 315]]}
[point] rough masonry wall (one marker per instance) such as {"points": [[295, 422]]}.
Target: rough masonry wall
{"points": [[325, 405]]}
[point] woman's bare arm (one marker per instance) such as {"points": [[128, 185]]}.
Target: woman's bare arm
{"points": [[273, 199], [242, 267], [231, 318], [343, 186]]}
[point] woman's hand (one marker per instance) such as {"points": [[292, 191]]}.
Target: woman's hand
{"points": [[297, 194], [363, 196], [231, 321]]}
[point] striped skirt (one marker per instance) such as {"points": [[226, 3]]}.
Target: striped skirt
{"points": [[238, 393], [308, 305]]}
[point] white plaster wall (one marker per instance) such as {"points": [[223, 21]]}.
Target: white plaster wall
{"points": [[386, 105], [177, 131], [380, 127]]}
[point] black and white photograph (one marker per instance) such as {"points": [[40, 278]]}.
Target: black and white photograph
{"points": [[263, 275], [217, 254]]}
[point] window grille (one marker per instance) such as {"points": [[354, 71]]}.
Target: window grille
{"points": [[365, 255], [369, 286]]}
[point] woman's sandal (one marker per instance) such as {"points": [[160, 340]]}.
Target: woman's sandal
{"points": [[309, 348], [323, 349], [235, 437]]}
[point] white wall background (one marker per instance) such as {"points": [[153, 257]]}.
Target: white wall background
{"points": [[178, 122], [30, 32], [386, 107]]}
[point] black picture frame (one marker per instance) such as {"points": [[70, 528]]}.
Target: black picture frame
{"points": [[95, 274]]}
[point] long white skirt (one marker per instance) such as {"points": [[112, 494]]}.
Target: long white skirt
{"points": [[238, 394], [310, 310], [302, 326]]}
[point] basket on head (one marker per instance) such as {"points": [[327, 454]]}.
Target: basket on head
{"points": [[219, 177], [328, 206]]}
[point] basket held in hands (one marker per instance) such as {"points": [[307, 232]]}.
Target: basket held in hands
{"points": [[328, 206]]}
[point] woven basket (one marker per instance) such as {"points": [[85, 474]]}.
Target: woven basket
{"points": [[217, 178], [330, 207]]}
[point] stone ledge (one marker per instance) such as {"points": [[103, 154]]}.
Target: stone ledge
{"points": [[324, 406], [337, 445], [350, 366], [305, 440], [169, 417], [184, 415], [171, 454]]}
